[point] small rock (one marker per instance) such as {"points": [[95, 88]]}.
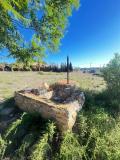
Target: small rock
{"points": [[46, 86], [11, 115]]}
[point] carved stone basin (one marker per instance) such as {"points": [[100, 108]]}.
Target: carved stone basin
{"points": [[60, 103]]}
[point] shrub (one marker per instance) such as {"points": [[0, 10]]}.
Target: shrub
{"points": [[2, 147], [27, 142], [108, 146], [70, 148], [42, 149], [95, 128], [16, 133], [111, 74]]}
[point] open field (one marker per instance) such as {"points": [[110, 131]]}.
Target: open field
{"points": [[13, 81]]}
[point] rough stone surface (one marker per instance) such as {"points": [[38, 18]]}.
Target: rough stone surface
{"points": [[6, 111], [63, 113]]}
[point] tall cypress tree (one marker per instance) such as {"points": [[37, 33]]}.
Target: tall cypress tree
{"points": [[70, 67]]}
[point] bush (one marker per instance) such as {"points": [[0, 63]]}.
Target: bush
{"points": [[111, 74], [2, 147], [70, 148], [42, 149], [99, 134], [108, 146], [27, 142]]}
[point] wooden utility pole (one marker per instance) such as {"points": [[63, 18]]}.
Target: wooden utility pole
{"points": [[67, 70]]}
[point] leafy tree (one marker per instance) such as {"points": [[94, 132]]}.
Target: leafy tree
{"points": [[10, 12], [111, 75], [46, 18], [30, 52]]}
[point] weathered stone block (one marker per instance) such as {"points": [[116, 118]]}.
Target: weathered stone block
{"points": [[64, 114]]}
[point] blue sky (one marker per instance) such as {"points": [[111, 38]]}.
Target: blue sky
{"points": [[92, 36]]}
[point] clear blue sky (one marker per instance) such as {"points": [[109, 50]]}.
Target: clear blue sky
{"points": [[93, 34]]}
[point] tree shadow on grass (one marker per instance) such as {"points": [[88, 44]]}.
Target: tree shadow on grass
{"points": [[102, 99], [20, 129], [25, 131], [9, 112]]}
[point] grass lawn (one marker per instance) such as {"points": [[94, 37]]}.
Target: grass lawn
{"points": [[13, 81]]}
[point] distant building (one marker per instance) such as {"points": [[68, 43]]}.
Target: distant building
{"points": [[92, 70], [7, 68]]}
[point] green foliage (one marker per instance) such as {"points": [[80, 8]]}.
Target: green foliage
{"points": [[48, 19], [14, 135], [12, 128], [21, 152], [111, 74], [17, 131], [96, 129], [96, 136], [108, 147], [30, 52], [70, 148], [9, 36], [55, 21], [30, 131], [2, 147], [42, 149]]}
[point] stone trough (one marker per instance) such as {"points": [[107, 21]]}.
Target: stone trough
{"points": [[58, 102]]}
